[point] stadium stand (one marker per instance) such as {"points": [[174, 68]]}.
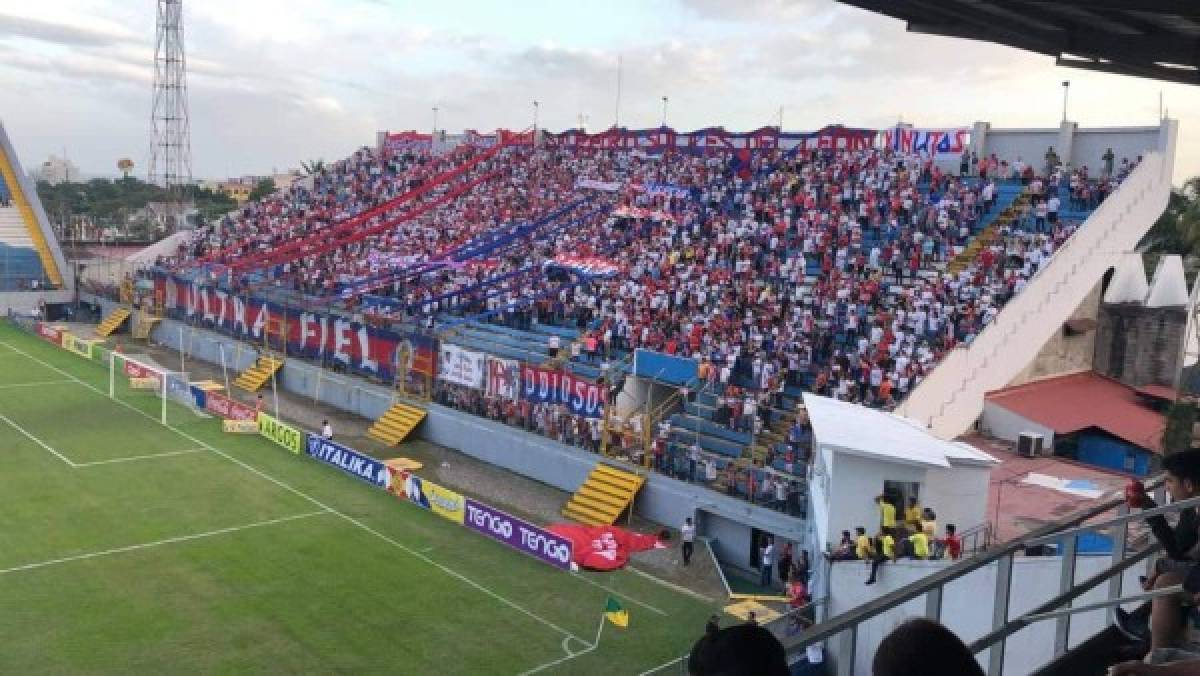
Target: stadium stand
{"points": [[29, 255], [847, 273]]}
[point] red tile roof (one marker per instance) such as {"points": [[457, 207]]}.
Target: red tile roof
{"points": [[1078, 401]]}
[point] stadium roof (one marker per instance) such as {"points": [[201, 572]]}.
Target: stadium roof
{"points": [[866, 432], [1112, 406], [1157, 39]]}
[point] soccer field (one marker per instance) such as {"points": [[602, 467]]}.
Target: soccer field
{"points": [[127, 546]]}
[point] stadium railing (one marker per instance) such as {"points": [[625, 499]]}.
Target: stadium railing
{"points": [[843, 630]]}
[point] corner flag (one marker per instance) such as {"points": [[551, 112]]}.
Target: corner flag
{"points": [[616, 613]]}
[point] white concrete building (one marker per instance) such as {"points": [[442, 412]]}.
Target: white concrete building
{"points": [[860, 453]]}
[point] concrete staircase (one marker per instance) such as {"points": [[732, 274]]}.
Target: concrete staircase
{"points": [[253, 378], [396, 423], [603, 496], [112, 322], [950, 399]]}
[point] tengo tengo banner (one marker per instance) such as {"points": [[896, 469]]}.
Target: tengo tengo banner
{"points": [[362, 349], [518, 534], [561, 387]]}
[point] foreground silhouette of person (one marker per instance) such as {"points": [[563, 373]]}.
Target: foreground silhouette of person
{"points": [[741, 650], [921, 647]]}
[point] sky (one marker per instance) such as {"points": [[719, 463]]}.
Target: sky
{"points": [[273, 83]]}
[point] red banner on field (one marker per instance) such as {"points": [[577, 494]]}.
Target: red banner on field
{"points": [[135, 370], [49, 333], [228, 408], [603, 547]]}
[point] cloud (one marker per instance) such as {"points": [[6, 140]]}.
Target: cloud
{"points": [[67, 33]]}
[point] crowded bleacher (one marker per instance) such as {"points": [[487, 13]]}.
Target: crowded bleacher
{"points": [[848, 273]]}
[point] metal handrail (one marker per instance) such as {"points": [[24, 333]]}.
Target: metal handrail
{"points": [[934, 583], [1117, 520]]}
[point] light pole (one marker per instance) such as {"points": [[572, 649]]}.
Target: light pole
{"points": [[435, 112], [535, 116], [664, 122], [1066, 88]]}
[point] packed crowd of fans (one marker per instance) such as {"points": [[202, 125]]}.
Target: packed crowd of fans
{"points": [[823, 271]]}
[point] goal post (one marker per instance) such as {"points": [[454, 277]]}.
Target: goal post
{"points": [[152, 389]]}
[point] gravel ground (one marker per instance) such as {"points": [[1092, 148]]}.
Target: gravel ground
{"points": [[512, 492]]}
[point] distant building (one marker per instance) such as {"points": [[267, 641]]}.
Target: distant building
{"points": [[57, 170], [238, 189]]}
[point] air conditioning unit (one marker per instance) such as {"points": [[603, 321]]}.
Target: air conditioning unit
{"points": [[1029, 445]]}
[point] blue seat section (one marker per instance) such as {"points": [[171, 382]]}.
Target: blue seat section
{"points": [[693, 423], [19, 265]]}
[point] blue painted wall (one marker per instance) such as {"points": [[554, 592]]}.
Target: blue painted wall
{"points": [[664, 367], [1105, 451]]}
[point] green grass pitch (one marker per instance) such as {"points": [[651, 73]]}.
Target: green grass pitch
{"points": [[225, 553]]}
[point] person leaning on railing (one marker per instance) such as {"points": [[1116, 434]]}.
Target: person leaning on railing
{"points": [[1179, 544]]}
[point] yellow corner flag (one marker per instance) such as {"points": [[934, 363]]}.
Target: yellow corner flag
{"points": [[616, 613]]}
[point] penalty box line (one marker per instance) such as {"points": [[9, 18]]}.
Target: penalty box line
{"points": [[159, 543], [297, 492], [80, 465]]}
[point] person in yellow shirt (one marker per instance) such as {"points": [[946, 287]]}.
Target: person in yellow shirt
{"points": [[885, 551], [862, 545], [929, 523], [920, 545], [912, 515], [887, 514]]}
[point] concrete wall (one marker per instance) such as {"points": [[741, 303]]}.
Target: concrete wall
{"points": [[1139, 345], [853, 484], [662, 499], [25, 302], [1074, 145], [951, 398], [1064, 353], [1001, 423], [957, 495], [967, 605]]}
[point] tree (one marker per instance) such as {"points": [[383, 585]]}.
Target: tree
{"points": [[311, 167], [1177, 231], [262, 189]]}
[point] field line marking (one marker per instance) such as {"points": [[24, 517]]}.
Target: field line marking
{"points": [[671, 585], [623, 595], [159, 543], [570, 655], [664, 665], [301, 494], [37, 441], [39, 383], [132, 458]]}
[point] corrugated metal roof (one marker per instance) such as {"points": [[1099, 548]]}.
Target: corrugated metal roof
{"points": [[859, 430], [1085, 400]]}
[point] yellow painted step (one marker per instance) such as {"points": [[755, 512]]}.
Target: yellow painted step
{"points": [[112, 322], [254, 378], [603, 496], [396, 423]]}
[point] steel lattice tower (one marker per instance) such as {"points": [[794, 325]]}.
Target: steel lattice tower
{"points": [[171, 149]]}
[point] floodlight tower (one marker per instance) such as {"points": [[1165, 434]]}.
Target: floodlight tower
{"points": [[171, 148]]}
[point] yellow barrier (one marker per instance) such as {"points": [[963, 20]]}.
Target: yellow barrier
{"points": [[281, 433]]}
